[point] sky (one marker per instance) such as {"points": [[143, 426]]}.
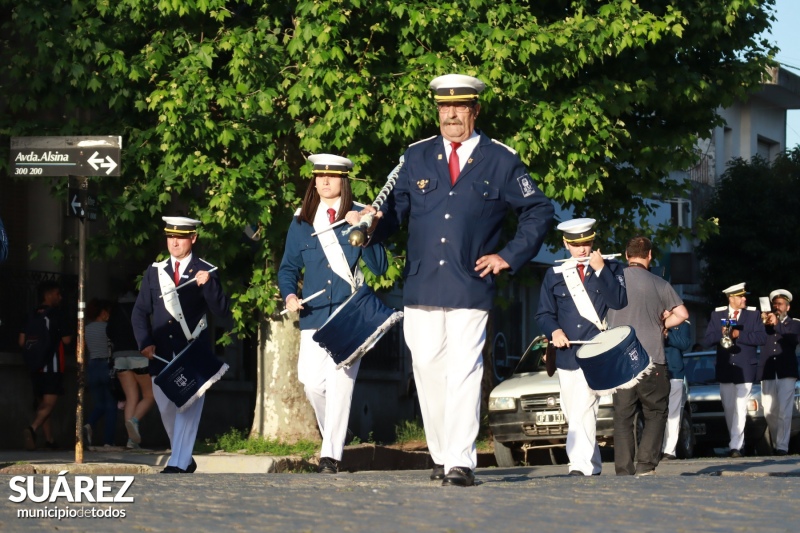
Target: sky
{"points": [[786, 34]]}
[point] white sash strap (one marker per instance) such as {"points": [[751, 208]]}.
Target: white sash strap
{"points": [[337, 259], [579, 295], [173, 304]]}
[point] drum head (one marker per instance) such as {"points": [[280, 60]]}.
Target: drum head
{"points": [[604, 340]]}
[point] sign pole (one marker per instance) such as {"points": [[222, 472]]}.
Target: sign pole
{"points": [[83, 184]]}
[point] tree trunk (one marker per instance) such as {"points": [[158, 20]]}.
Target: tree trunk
{"points": [[282, 410]]}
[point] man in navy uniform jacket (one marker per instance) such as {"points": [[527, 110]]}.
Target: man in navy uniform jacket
{"points": [[736, 366], [455, 190], [164, 329], [777, 369]]}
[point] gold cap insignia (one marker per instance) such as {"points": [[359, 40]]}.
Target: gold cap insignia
{"points": [[452, 92]]}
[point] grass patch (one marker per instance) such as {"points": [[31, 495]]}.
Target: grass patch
{"points": [[409, 431], [236, 441]]}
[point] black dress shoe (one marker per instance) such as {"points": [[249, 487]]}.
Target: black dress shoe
{"points": [[173, 470], [735, 454], [668, 457], [459, 476], [328, 466], [192, 467], [781, 453], [437, 473]]}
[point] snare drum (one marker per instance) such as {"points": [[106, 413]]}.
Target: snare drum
{"points": [[354, 328], [615, 360], [187, 377]]}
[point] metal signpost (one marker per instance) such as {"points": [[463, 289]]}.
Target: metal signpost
{"points": [[77, 157]]}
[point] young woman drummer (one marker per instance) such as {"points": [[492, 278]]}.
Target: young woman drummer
{"points": [[331, 275]]}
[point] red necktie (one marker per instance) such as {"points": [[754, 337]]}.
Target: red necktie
{"points": [[581, 267], [177, 273], [455, 166], [331, 215], [736, 314]]}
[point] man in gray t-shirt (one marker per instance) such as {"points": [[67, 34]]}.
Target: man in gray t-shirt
{"points": [[653, 305]]}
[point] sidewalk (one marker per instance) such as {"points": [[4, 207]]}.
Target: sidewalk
{"points": [[363, 457]]}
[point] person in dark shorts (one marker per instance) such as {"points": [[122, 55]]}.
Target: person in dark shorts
{"points": [[47, 381]]}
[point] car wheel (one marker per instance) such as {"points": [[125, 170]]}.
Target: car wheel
{"points": [[763, 444], [504, 455], [685, 447]]}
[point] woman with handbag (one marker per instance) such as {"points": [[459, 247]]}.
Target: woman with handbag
{"points": [[131, 366]]}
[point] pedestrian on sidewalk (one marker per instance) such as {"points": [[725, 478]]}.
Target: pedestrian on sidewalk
{"points": [[45, 328], [131, 367], [104, 405]]}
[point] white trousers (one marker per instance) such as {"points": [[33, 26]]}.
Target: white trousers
{"points": [[777, 397], [181, 427], [580, 404], [673, 427], [446, 355], [330, 392], [734, 398]]}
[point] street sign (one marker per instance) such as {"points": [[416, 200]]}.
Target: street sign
{"points": [[66, 156], [82, 203]]}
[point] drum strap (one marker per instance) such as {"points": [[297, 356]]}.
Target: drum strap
{"points": [[579, 295], [335, 254], [173, 303]]}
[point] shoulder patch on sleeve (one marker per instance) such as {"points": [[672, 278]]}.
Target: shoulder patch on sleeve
{"points": [[526, 185], [721, 308], [422, 141], [504, 146]]}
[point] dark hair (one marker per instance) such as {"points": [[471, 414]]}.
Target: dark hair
{"points": [[311, 201], [638, 247], [95, 307], [46, 287]]}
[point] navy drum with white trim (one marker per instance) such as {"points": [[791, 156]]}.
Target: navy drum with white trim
{"points": [[354, 328], [615, 359], [189, 375]]}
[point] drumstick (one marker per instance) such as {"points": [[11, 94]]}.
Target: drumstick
{"points": [[179, 353], [304, 300], [585, 259], [329, 227], [183, 285], [584, 342]]}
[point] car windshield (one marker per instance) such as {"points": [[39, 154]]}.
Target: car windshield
{"points": [[700, 369], [533, 359]]}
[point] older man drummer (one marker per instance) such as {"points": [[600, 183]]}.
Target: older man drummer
{"points": [[164, 326]]}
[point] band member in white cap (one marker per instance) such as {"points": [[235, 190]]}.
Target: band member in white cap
{"points": [[573, 304], [331, 265], [164, 326], [455, 190], [778, 369], [736, 331]]}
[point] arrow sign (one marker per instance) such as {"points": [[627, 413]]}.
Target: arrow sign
{"points": [[97, 162], [75, 205], [65, 156]]}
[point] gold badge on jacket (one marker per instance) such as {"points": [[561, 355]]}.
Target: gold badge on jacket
{"points": [[422, 183]]}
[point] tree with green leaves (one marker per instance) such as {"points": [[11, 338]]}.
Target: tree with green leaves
{"points": [[758, 211], [220, 102]]}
